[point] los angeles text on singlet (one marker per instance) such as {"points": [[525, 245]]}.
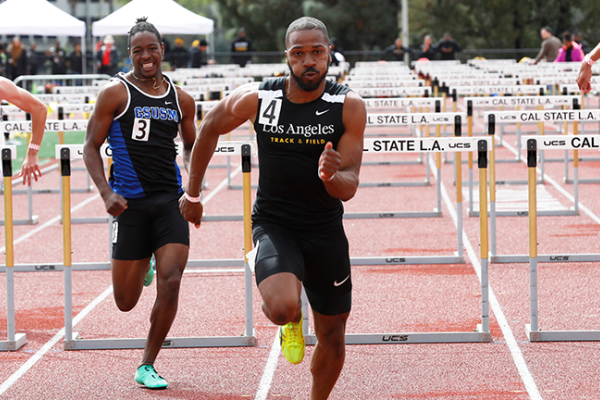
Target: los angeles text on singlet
{"points": [[142, 142], [291, 138]]}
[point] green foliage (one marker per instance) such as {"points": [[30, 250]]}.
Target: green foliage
{"points": [[357, 24], [372, 25], [503, 23]]}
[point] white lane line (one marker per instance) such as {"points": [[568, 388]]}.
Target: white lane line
{"points": [[267, 378], [512, 344], [50, 222], [48, 345]]}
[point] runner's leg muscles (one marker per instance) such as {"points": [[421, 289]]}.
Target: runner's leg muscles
{"points": [[128, 281], [329, 354], [171, 260], [281, 301]]}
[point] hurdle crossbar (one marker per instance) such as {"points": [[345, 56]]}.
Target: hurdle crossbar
{"points": [[481, 333], [14, 340], [71, 341], [533, 331]]}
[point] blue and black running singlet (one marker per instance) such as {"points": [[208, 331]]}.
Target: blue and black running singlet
{"points": [[142, 142], [291, 138]]}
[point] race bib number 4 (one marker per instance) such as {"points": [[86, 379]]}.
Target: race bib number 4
{"points": [[141, 129], [269, 111]]}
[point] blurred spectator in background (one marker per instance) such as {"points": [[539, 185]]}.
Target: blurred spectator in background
{"points": [[75, 61], [58, 59], [428, 50], [179, 56], [550, 46], [396, 51], [241, 46], [337, 54], [570, 50], [3, 59], [447, 47], [167, 45], [17, 59], [200, 56], [34, 59], [578, 37], [194, 49], [108, 57]]}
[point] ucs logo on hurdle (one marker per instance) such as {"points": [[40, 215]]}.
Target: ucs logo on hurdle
{"points": [[394, 338]]}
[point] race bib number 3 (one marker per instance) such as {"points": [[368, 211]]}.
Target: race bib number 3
{"points": [[269, 111], [141, 129]]}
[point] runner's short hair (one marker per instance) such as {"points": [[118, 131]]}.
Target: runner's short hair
{"points": [[304, 24]]}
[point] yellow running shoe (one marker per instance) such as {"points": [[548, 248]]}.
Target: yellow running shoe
{"points": [[291, 339]]}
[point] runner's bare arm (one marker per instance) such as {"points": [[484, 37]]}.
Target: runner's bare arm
{"points": [[187, 128], [231, 112], [584, 78], [339, 170], [28, 103], [111, 100]]}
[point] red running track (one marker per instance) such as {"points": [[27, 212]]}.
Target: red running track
{"points": [[387, 298]]}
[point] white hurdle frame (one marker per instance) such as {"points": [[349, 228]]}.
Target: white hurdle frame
{"points": [[409, 145], [14, 340], [481, 333], [534, 333], [71, 342], [542, 116]]}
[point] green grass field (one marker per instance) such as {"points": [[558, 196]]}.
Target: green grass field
{"points": [[47, 151]]}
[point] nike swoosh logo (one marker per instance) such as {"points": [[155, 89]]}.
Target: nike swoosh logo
{"points": [[168, 102], [336, 283], [321, 112]]}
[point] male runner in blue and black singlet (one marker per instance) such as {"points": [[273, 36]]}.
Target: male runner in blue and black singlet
{"points": [[310, 140], [140, 113]]}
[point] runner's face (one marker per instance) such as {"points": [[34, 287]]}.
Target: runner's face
{"points": [[308, 58], [146, 53]]}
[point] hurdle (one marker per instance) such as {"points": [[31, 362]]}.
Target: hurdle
{"points": [[409, 145], [72, 342], [481, 333], [14, 340], [552, 142], [539, 101], [534, 333]]}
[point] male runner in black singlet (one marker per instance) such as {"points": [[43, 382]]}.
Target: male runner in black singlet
{"points": [[310, 141], [140, 113]]}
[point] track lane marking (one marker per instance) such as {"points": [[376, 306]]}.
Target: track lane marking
{"points": [[511, 342], [265, 382]]}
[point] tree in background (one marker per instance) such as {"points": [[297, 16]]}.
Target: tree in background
{"points": [[357, 24], [373, 25]]}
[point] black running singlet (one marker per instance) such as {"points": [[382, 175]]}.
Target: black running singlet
{"points": [[142, 142], [291, 138]]}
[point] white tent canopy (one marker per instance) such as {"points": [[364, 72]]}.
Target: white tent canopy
{"points": [[166, 15], [38, 17]]}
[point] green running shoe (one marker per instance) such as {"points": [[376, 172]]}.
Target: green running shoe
{"points": [[291, 339], [150, 273], [146, 375]]}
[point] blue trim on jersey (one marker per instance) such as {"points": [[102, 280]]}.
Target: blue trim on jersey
{"points": [[179, 181], [123, 167]]}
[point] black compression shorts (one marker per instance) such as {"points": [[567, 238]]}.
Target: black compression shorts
{"points": [[148, 224], [320, 260]]}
